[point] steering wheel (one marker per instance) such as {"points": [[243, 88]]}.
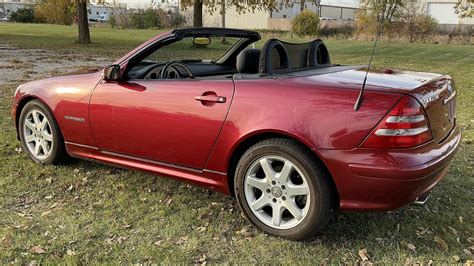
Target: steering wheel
{"points": [[169, 71]]}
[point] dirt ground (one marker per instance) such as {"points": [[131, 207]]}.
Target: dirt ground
{"points": [[23, 65]]}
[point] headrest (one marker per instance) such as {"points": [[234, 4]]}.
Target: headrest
{"points": [[247, 61], [274, 58]]}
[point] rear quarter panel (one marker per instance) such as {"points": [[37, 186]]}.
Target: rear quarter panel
{"points": [[321, 115]]}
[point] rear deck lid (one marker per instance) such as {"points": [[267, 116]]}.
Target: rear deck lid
{"points": [[435, 92]]}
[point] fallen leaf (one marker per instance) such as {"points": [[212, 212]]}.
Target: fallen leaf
{"points": [[456, 258], [469, 263], [45, 213], [467, 252], [203, 259], [246, 232], [70, 252], [364, 255], [411, 247], [442, 243], [461, 220], [157, 243], [48, 197], [201, 229], [37, 250]]}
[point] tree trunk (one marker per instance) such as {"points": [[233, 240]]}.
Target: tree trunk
{"points": [[302, 5], [83, 22], [197, 13], [223, 18]]}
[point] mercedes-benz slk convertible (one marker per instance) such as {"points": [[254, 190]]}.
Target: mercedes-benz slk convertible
{"points": [[275, 127]]}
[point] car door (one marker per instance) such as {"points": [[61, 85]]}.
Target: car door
{"points": [[170, 121]]}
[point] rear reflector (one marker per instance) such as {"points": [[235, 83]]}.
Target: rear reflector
{"points": [[405, 126]]}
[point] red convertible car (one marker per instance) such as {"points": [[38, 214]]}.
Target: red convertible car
{"points": [[276, 126]]}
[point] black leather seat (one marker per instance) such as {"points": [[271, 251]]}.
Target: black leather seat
{"points": [[248, 61]]}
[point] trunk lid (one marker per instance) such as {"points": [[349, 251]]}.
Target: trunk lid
{"points": [[435, 92]]}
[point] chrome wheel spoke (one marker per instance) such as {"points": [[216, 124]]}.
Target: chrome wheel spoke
{"points": [[30, 125], [36, 118], [256, 182], [47, 136], [285, 173], [298, 190], [30, 138], [267, 168], [37, 148], [44, 147], [260, 203], [43, 124], [294, 210], [277, 212]]}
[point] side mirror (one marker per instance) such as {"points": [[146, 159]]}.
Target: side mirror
{"points": [[111, 73]]}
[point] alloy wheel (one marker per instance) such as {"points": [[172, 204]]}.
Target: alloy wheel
{"points": [[37, 134], [277, 192]]}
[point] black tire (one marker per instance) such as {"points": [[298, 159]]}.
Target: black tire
{"points": [[58, 152], [320, 209]]}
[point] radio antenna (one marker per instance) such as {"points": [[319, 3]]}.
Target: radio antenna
{"points": [[360, 98]]}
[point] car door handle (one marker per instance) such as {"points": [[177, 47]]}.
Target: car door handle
{"points": [[211, 98]]}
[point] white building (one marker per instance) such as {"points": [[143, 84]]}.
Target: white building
{"points": [[7, 7], [444, 12], [341, 11]]}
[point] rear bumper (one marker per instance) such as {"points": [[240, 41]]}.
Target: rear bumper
{"points": [[380, 180]]}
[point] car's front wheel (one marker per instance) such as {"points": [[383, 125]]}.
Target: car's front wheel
{"points": [[282, 190], [40, 136]]}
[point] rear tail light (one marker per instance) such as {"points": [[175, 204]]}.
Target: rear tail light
{"points": [[405, 126]]}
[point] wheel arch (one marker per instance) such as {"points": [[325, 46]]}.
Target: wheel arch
{"points": [[254, 138], [21, 104]]}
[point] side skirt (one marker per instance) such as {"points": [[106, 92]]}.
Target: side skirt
{"points": [[213, 180]]}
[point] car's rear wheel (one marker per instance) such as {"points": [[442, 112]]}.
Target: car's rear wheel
{"points": [[282, 190], [40, 136]]}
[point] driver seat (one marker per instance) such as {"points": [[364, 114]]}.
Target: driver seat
{"points": [[248, 61]]}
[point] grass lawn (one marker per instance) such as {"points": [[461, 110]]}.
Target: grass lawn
{"points": [[87, 212]]}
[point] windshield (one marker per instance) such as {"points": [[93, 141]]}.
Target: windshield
{"points": [[187, 50]]}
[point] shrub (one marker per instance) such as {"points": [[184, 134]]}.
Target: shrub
{"points": [[343, 32], [419, 27], [305, 23], [55, 12], [112, 21], [137, 20], [23, 15], [155, 18]]}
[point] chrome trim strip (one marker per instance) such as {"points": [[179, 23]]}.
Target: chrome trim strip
{"points": [[152, 161], [447, 100], [81, 145], [214, 172], [401, 132], [405, 119]]}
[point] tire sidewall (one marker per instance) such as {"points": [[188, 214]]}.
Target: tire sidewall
{"points": [[311, 219], [57, 138]]}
